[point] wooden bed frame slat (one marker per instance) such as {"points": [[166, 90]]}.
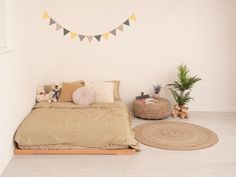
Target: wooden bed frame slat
{"points": [[76, 152]]}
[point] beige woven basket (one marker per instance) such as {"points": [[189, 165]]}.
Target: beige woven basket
{"points": [[160, 109]]}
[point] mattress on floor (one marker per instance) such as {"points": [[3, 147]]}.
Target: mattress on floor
{"points": [[63, 147], [65, 125]]}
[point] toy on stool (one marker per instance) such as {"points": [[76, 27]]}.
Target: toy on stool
{"points": [[55, 93], [41, 95], [180, 111]]}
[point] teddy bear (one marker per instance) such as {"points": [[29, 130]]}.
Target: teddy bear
{"points": [[41, 95], [55, 93], [183, 114], [175, 112], [180, 111]]}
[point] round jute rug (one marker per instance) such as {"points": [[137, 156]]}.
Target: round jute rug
{"points": [[175, 135]]}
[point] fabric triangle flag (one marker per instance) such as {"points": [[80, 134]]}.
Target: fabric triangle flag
{"points": [[65, 31], [106, 35], [58, 27], [98, 37], [133, 17], [45, 15], [51, 21], [81, 37], [126, 22], [120, 27], [73, 35], [113, 32], [90, 38]]}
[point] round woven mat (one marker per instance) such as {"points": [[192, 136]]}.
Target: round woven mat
{"points": [[175, 136]]}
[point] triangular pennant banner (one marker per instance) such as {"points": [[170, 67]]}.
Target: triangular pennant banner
{"points": [[98, 37], [65, 31], [106, 35], [126, 22], [120, 27], [45, 15], [113, 32], [90, 38], [58, 27], [133, 17], [51, 21], [73, 35], [81, 37]]}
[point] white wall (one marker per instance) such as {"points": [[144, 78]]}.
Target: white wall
{"points": [[200, 33], [2, 26], [17, 87]]}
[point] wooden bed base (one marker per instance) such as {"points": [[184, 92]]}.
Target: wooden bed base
{"points": [[76, 152]]}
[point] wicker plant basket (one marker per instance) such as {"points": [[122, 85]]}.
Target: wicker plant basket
{"points": [[160, 109]]}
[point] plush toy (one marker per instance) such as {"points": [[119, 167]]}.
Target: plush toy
{"points": [[55, 93], [175, 112], [180, 111], [183, 114], [41, 95]]}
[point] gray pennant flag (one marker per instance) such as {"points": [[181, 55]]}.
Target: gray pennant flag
{"points": [[58, 27], [120, 27], [81, 37], [113, 32], [51, 21], [98, 37], [126, 22], [65, 31]]}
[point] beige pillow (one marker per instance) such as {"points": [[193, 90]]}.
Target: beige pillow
{"points": [[116, 89], [104, 91], [67, 89]]}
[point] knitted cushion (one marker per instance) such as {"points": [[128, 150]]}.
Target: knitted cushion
{"points": [[84, 96]]}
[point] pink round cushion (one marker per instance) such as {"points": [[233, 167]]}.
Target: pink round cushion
{"points": [[84, 96]]}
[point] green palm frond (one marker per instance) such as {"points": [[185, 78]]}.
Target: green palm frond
{"points": [[175, 94], [181, 89]]}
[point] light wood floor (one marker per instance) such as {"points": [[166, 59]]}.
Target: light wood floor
{"points": [[216, 161]]}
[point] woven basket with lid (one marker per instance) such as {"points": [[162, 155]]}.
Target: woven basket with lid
{"points": [[160, 109]]}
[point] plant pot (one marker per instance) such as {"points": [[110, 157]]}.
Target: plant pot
{"points": [[156, 96]]}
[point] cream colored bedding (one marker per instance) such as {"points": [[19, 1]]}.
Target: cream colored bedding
{"points": [[66, 124]]}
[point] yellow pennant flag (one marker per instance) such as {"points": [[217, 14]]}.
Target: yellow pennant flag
{"points": [[73, 35], [106, 35], [133, 17], [45, 15]]}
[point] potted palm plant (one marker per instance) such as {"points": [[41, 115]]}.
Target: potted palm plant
{"points": [[181, 90]]}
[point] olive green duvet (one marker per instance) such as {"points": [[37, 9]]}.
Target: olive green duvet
{"points": [[64, 124]]}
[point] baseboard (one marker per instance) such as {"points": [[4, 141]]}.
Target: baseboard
{"points": [[213, 108], [204, 108]]}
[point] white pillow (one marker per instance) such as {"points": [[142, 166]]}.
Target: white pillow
{"points": [[104, 91]]}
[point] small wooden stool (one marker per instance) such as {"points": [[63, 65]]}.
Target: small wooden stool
{"points": [[160, 109]]}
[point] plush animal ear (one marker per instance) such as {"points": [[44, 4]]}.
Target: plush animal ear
{"points": [[40, 88], [177, 107]]}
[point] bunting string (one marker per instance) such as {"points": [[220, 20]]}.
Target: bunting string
{"points": [[82, 37]]}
